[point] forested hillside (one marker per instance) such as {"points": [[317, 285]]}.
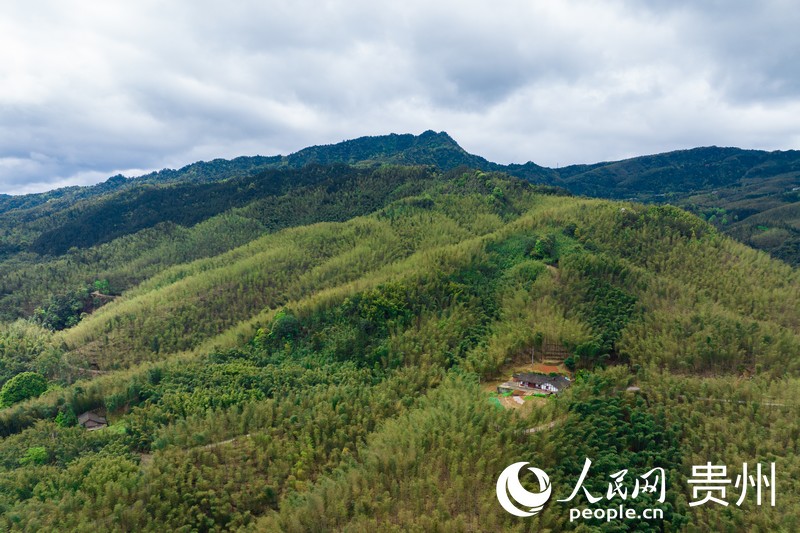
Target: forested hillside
{"points": [[131, 236], [303, 346], [751, 195]]}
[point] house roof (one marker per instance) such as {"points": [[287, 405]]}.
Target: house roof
{"points": [[559, 382], [91, 417]]}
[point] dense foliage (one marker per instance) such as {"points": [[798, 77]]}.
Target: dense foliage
{"points": [[23, 386], [314, 354], [752, 195]]}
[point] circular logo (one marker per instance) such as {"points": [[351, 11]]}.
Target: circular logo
{"points": [[508, 483]]}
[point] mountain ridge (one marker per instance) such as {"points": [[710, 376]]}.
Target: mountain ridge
{"points": [[441, 150], [395, 148], [725, 185]]}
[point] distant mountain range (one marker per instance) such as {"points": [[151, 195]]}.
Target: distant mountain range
{"points": [[753, 195]]}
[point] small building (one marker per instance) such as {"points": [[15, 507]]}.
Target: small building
{"points": [[528, 382], [92, 421], [542, 381]]}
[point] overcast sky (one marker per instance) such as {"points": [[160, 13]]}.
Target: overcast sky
{"points": [[89, 89]]}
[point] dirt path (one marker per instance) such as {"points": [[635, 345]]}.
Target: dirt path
{"points": [[222, 442], [90, 372], [543, 427], [146, 459]]}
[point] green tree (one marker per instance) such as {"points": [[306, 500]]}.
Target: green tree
{"points": [[66, 418], [21, 387], [102, 286], [285, 326], [35, 455]]}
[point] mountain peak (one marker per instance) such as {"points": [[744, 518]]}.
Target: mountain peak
{"points": [[442, 135], [427, 148]]}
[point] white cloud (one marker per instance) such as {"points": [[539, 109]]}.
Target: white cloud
{"points": [[94, 88]]}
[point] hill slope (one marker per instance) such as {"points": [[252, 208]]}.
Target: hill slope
{"points": [[727, 186], [134, 234], [324, 373]]}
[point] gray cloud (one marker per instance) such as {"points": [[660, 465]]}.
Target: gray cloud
{"points": [[88, 90]]}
